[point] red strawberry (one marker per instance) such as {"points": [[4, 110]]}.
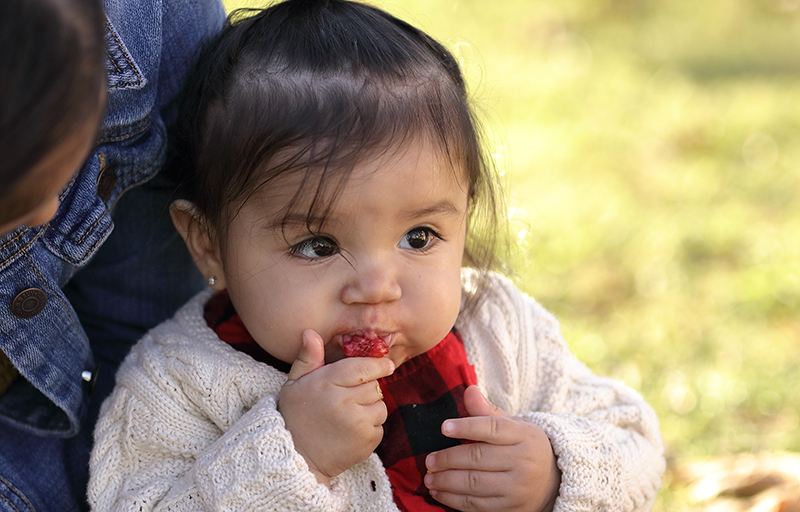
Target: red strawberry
{"points": [[360, 346]]}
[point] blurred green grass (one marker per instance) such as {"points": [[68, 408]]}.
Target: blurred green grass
{"points": [[651, 152]]}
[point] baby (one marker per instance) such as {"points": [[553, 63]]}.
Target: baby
{"points": [[338, 202]]}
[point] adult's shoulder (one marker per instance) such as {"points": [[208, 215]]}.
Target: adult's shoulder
{"points": [[151, 45]]}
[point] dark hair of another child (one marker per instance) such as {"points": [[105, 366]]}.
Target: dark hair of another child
{"points": [[52, 75], [312, 87]]}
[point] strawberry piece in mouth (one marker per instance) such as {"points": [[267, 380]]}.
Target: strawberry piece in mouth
{"points": [[360, 346]]}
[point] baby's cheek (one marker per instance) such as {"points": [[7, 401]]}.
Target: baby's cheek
{"points": [[448, 305]]}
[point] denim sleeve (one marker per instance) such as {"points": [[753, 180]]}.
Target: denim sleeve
{"points": [[81, 289]]}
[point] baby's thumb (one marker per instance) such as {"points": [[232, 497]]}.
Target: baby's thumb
{"points": [[478, 405], [311, 356]]}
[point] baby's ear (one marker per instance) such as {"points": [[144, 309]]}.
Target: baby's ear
{"points": [[192, 226]]}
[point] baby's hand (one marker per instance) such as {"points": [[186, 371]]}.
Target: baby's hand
{"points": [[510, 466], [335, 412]]}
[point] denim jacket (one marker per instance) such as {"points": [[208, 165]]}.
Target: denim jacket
{"points": [[53, 300]]}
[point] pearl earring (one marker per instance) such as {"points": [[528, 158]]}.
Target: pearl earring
{"points": [[212, 280]]}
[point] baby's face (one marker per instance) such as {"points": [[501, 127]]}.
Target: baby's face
{"points": [[386, 262]]}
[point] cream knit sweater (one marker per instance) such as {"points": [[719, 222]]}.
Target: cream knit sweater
{"points": [[193, 424]]}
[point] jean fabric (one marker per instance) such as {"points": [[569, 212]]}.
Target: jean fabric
{"points": [[110, 263]]}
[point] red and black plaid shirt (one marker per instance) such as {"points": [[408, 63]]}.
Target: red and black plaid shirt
{"points": [[419, 396]]}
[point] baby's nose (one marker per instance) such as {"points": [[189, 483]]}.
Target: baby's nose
{"points": [[371, 283]]}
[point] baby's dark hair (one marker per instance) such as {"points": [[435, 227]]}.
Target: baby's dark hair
{"points": [[312, 86], [53, 69]]}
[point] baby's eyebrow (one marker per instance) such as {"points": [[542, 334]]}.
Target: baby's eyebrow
{"points": [[440, 208], [302, 219], [292, 219]]}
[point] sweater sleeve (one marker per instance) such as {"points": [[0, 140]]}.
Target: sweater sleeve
{"points": [[604, 435], [175, 440]]}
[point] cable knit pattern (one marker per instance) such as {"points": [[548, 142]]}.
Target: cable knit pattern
{"points": [[193, 424], [604, 435]]}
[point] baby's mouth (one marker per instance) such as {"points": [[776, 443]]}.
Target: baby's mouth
{"points": [[364, 345]]}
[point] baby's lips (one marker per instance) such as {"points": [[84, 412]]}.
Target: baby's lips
{"points": [[360, 346]]}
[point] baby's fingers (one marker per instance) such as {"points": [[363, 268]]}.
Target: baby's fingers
{"points": [[472, 456], [355, 371], [311, 356], [488, 429], [468, 490]]}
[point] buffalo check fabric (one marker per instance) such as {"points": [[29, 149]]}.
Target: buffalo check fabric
{"points": [[222, 318], [420, 395]]}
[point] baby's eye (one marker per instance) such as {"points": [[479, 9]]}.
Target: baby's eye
{"points": [[418, 238], [317, 247]]}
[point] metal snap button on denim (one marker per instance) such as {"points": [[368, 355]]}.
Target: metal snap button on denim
{"points": [[106, 183], [28, 303], [106, 180], [90, 378]]}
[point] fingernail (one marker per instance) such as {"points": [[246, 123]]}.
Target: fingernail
{"points": [[429, 461], [447, 428], [428, 480]]}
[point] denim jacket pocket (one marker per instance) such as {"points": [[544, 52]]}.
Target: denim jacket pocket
{"points": [[125, 157], [82, 222], [123, 73]]}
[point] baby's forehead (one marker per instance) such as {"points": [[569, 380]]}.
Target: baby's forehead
{"points": [[306, 188]]}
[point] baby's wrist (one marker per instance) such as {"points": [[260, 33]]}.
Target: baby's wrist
{"points": [[321, 476]]}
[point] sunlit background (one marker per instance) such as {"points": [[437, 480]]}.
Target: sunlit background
{"points": [[651, 155]]}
